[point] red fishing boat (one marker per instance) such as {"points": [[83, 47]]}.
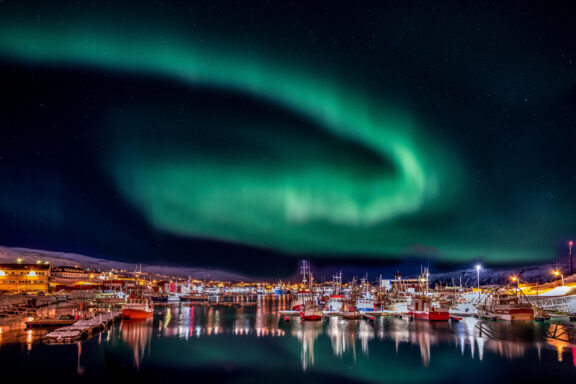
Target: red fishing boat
{"points": [[138, 308], [311, 312], [425, 308]]}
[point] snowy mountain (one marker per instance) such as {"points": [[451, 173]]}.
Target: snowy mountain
{"points": [[9, 255], [490, 276]]}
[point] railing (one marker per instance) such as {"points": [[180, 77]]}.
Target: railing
{"points": [[562, 303]]}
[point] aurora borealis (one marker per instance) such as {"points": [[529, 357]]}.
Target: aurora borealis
{"points": [[147, 130]]}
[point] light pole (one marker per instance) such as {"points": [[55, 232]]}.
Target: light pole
{"points": [[478, 267], [570, 244], [557, 273], [517, 280]]}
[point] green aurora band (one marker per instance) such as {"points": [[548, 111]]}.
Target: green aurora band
{"points": [[321, 208]]}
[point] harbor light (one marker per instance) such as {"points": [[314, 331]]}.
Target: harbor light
{"points": [[478, 268], [515, 279], [557, 273]]}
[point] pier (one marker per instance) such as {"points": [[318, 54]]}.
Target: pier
{"points": [[82, 329]]}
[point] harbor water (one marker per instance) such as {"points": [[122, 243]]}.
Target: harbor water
{"points": [[254, 343]]}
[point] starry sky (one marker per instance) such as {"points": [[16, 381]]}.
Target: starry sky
{"points": [[246, 135]]}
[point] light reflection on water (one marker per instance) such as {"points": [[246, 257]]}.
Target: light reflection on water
{"points": [[251, 337], [469, 336]]}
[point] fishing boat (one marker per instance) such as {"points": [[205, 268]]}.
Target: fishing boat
{"points": [[298, 300], [349, 311], [503, 306], [365, 304], [159, 298], [300, 297], [311, 312], [464, 304], [194, 296], [138, 308], [279, 289], [334, 303], [426, 308]]}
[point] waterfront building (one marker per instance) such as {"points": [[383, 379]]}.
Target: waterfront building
{"points": [[19, 277], [67, 273]]}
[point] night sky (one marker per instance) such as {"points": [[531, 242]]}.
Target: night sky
{"points": [[246, 135]]}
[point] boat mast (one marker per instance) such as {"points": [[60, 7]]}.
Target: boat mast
{"points": [[304, 271]]}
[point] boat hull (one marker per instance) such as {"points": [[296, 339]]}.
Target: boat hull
{"points": [[351, 315], [136, 314], [509, 315], [431, 316], [194, 298], [311, 315]]}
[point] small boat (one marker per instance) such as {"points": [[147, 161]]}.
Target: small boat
{"points": [[349, 311], [138, 308], [198, 296], [61, 321], [311, 312], [159, 299], [166, 298], [424, 308], [173, 298]]}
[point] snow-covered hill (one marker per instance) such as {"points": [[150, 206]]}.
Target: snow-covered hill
{"points": [[9, 255], [489, 276]]}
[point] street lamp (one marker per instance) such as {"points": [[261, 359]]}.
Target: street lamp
{"points": [[515, 279], [557, 273], [478, 267], [570, 244]]}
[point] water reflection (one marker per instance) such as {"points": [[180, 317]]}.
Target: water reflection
{"points": [[307, 333], [350, 338], [137, 335], [254, 336]]}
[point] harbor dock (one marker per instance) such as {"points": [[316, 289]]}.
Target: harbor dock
{"points": [[82, 329]]}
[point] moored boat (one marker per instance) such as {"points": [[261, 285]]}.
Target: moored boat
{"points": [[425, 308], [365, 304], [508, 312], [138, 308], [298, 300], [192, 296], [311, 312], [334, 303], [349, 311], [503, 303]]}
